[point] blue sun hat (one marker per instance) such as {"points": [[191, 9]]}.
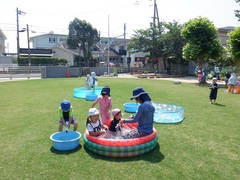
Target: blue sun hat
{"points": [[137, 92], [65, 105]]}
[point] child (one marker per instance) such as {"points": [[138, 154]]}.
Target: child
{"points": [[94, 125], [228, 75], [238, 81], [88, 82], [105, 104], [115, 126], [199, 75], [214, 91], [66, 116], [93, 80]]}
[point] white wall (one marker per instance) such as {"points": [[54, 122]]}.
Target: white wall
{"points": [[61, 53]]}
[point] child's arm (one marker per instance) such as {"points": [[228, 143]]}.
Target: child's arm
{"points": [[101, 132], [94, 103], [104, 126]]}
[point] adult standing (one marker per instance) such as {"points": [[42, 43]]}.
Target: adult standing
{"points": [[216, 72], [232, 82], [228, 75]]}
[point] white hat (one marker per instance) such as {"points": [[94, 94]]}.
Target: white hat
{"points": [[115, 111], [93, 111]]}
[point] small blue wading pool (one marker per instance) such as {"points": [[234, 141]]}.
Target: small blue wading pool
{"points": [[82, 92], [65, 140]]}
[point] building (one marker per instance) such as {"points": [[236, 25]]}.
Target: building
{"points": [[223, 34], [57, 42], [2, 43]]}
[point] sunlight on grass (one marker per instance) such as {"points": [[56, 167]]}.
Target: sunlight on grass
{"points": [[204, 146]]}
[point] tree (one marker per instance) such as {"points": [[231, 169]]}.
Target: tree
{"points": [[172, 43], [202, 42], [237, 12], [82, 33], [234, 43], [163, 41]]}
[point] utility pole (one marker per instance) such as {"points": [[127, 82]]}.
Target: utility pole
{"points": [[99, 50], [125, 47], [108, 47], [19, 12], [155, 16], [29, 59]]}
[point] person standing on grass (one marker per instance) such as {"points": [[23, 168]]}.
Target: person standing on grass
{"points": [[216, 72], [65, 112], [232, 82], [214, 90], [105, 104], [199, 76], [228, 75]]}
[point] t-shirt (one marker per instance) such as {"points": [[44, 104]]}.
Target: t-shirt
{"points": [[65, 114], [94, 127]]}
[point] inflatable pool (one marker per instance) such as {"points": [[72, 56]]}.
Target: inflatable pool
{"points": [[65, 140], [168, 113], [131, 107], [121, 147], [82, 92]]}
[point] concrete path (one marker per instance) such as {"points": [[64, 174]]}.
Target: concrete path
{"points": [[186, 79]]}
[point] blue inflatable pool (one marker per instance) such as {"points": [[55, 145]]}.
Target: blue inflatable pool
{"points": [[82, 92]]}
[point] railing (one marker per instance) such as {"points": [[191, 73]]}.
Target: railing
{"points": [[23, 72]]}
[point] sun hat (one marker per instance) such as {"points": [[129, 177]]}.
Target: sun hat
{"points": [[93, 111], [105, 90], [115, 111], [65, 105], [137, 92]]}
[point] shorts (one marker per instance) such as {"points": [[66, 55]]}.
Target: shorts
{"points": [[74, 120]]}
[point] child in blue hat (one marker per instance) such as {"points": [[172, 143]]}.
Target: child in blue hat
{"points": [[66, 116]]}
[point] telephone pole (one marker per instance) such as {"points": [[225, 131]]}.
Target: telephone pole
{"points": [[19, 12]]}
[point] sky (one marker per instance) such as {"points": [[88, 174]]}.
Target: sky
{"points": [[107, 16]]}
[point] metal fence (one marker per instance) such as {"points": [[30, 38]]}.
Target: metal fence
{"points": [[27, 72]]}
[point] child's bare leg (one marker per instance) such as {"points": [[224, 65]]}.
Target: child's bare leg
{"points": [[75, 126], [60, 127]]}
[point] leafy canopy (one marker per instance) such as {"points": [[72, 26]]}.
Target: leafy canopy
{"points": [[202, 43], [83, 34], [234, 42]]}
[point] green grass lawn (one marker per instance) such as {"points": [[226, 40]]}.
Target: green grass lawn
{"points": [[204, 146]]}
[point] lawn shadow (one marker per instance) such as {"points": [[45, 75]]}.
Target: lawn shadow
{"points": [[217, 104], [67, 152], [173, 123], [154, 156]]}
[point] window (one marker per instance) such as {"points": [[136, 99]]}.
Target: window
{"points": [[52, 40], [62, 39]]}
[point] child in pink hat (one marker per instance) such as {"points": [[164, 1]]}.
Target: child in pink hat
{"points": [[115, 126]]}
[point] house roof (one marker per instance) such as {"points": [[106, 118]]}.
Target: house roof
{"points": [[226, 29]]}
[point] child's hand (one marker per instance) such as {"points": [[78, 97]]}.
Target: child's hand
{"points": [[102, 132], [105, 127]]}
